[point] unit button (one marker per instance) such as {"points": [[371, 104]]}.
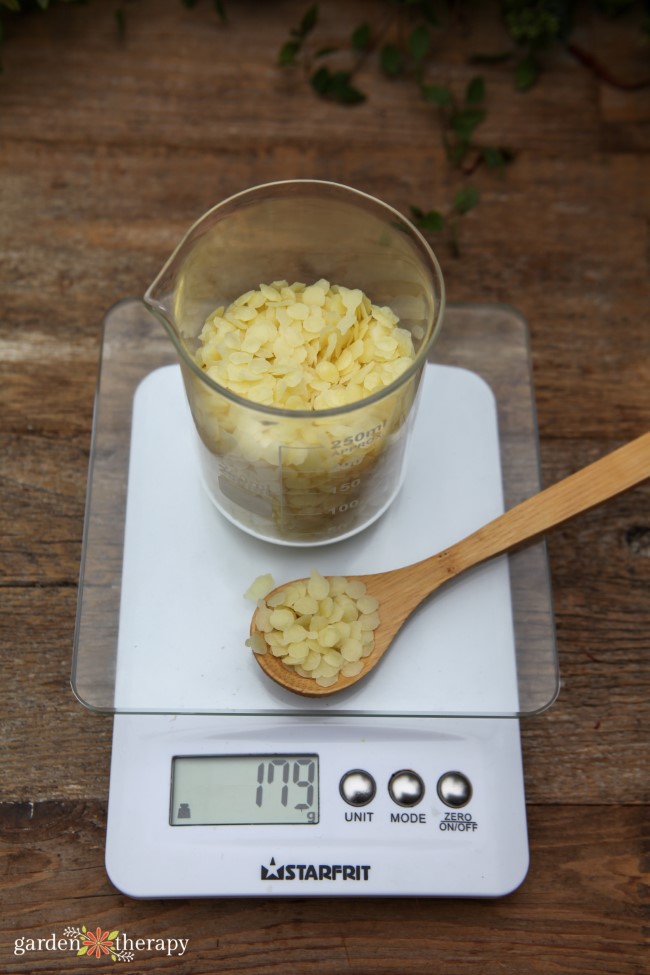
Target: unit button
{"points": [[454, 789], [406, 788], [358, 788]]}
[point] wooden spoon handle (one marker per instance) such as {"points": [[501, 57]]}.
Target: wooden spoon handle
{"points": [[605, 478]]}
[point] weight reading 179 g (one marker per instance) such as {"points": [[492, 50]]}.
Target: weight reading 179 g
{"points": [[293, 778], [231, 790]]}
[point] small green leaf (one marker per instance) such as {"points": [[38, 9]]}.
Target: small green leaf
{"points": [[432, 220], [475, 91], [220, 9], [322, 52], [466, 199], [526, 73], [391, 60], [438, 94], [493, 158], [113, 935], [309, 20], [288, 53], [463, 123], [340, 89], [82, 951], [496, 157], [320, 80], [336, 86], [419, 43], [360, 38]]}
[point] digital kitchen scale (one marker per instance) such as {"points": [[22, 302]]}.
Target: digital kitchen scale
{"points": [[223, 783]]}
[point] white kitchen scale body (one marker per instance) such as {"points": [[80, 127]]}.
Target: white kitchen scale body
{"points": [[222, 783]]}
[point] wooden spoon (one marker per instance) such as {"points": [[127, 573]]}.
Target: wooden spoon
{"points": [[401, 591]]}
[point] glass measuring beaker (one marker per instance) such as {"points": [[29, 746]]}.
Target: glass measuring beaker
{"points": [[296, 476]]}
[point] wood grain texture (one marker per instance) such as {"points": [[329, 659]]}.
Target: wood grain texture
{"points": [[583, 908], [109, 150]]}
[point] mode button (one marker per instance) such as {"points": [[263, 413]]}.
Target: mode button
{"points": [[406, 788]]}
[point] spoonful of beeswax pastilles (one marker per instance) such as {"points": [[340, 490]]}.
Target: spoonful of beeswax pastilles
{"points": [[321, 628], [319, 635]]}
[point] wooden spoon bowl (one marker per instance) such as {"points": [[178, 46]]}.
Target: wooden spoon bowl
{"points": [[401, 591]]}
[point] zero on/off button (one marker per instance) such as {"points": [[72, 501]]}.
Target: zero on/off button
{"points": [[406, 788], [454, 789]]}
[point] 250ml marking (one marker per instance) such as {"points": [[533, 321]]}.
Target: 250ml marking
{"points": [[360, 440]]}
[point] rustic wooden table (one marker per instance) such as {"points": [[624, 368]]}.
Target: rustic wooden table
{"points": [[111, 148]]}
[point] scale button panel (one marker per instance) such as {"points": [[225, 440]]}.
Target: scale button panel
{"points": [[357, 787], [406, 788], [454, 789]]}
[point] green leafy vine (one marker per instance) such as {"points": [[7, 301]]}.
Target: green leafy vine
{"points": [[402, 42]]}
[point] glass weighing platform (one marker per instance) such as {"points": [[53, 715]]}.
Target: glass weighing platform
{"points": [[223, 783]]}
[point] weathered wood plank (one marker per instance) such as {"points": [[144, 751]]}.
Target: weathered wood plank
{"points": [[244, 96], [109, 150], [582, 908]]}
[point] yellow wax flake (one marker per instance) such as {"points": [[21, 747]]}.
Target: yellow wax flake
{"points": [[333, 634], [367, 604], [282, 618], [270, 293], [257, 643], [372, 382], [327, 371], [245, 313], [299, 311], [355, 588], [314, 295], [351, 299], [318, 587], [260, 587], [312, 325], [330, 332]]}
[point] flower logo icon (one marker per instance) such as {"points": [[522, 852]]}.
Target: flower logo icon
{"points": [[101, 942]]}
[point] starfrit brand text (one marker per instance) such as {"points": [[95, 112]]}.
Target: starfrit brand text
{"points": [[315, 871]]}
